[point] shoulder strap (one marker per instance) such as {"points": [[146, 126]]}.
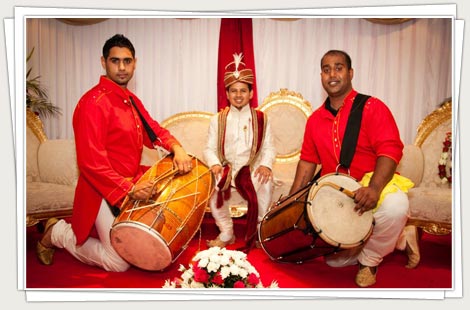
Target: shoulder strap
{"points": [[353, 127], [153, 137]]}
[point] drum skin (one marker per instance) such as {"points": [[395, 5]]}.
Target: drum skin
{"points": [[332, 215], [152, 233]]}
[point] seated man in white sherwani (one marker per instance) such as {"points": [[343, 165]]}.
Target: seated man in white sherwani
{"points": [[240, 153]]}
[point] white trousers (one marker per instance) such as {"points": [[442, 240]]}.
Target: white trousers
{"points": [[390, 219], [96, 252], [222, 215]]}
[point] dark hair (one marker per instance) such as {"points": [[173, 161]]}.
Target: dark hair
{"points": [[118, 40], [338, 52]]}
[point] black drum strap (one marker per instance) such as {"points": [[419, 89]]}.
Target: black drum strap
{"points": [[153, 137], [353, 127]]}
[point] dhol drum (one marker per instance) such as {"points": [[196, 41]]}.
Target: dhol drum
{"points": [[332, 215], [307, 224], [152, 233], [285, 233]]}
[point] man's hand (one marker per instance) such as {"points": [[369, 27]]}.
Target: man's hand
{"points": [[366, 199], [217, 170], [182, 160], [142, 190], [264, 174]]}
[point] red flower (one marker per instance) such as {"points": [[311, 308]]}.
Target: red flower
{"points": [[200, 275], [217, 279], [447, 146], [239, 284], [253, 279]]}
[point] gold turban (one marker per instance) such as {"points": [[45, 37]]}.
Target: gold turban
{"points": [[238, 75]]}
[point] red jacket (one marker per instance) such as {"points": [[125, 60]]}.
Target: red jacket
{"points": [[109, 139]]}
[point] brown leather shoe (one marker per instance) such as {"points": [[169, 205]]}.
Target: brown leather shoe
{"points": [[46, 254], [366, 276], [220, 243]]}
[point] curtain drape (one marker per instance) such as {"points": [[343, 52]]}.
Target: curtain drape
{"points": [[408, 65]]}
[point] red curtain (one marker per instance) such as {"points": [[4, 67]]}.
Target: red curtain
{"points": [[236, 36]]}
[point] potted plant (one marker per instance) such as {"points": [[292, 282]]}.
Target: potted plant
{"points": [[36, 96]]}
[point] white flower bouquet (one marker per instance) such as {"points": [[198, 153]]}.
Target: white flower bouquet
{"points": [[218, 268]]}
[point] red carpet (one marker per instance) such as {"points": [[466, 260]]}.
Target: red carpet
{"points": [[434, 270]]}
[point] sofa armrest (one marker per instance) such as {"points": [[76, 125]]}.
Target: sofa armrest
{"points": [[412, 164]]}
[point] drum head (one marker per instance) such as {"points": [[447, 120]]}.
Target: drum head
{"points": [[332, 214], [152, 233], [141, 246]]}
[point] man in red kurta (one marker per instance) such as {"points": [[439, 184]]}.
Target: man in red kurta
{"points": [[376, 155], [109, 139]]}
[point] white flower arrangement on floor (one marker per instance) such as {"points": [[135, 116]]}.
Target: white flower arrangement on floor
{"points": [[218, 268]]}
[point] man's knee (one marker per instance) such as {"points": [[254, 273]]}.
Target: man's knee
{"points": [[397, 206]]}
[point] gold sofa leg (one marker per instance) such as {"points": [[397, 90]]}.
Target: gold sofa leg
{"points": [[411, 235]]}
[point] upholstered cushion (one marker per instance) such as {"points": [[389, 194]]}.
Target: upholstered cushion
{"points": [[285, 171], [191, 130], [149, 156], [431, 204], [288, 125], [58, 162], [32, 146], [46, 197], [288, 113], [412, 164]]}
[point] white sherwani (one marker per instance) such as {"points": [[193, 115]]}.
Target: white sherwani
{"points": [[238, 143]]}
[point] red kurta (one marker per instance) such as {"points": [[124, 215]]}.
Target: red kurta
{"points": [[109, 138], [378, 136]]}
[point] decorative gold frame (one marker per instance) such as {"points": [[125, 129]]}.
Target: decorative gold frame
{"points": [[33, 219], [431, 227], [176, 118], [432, 121], [35, 124], [285, 96]]}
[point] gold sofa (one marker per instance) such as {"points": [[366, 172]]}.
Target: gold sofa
{"points": [[51, 173], [431, 197]]}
